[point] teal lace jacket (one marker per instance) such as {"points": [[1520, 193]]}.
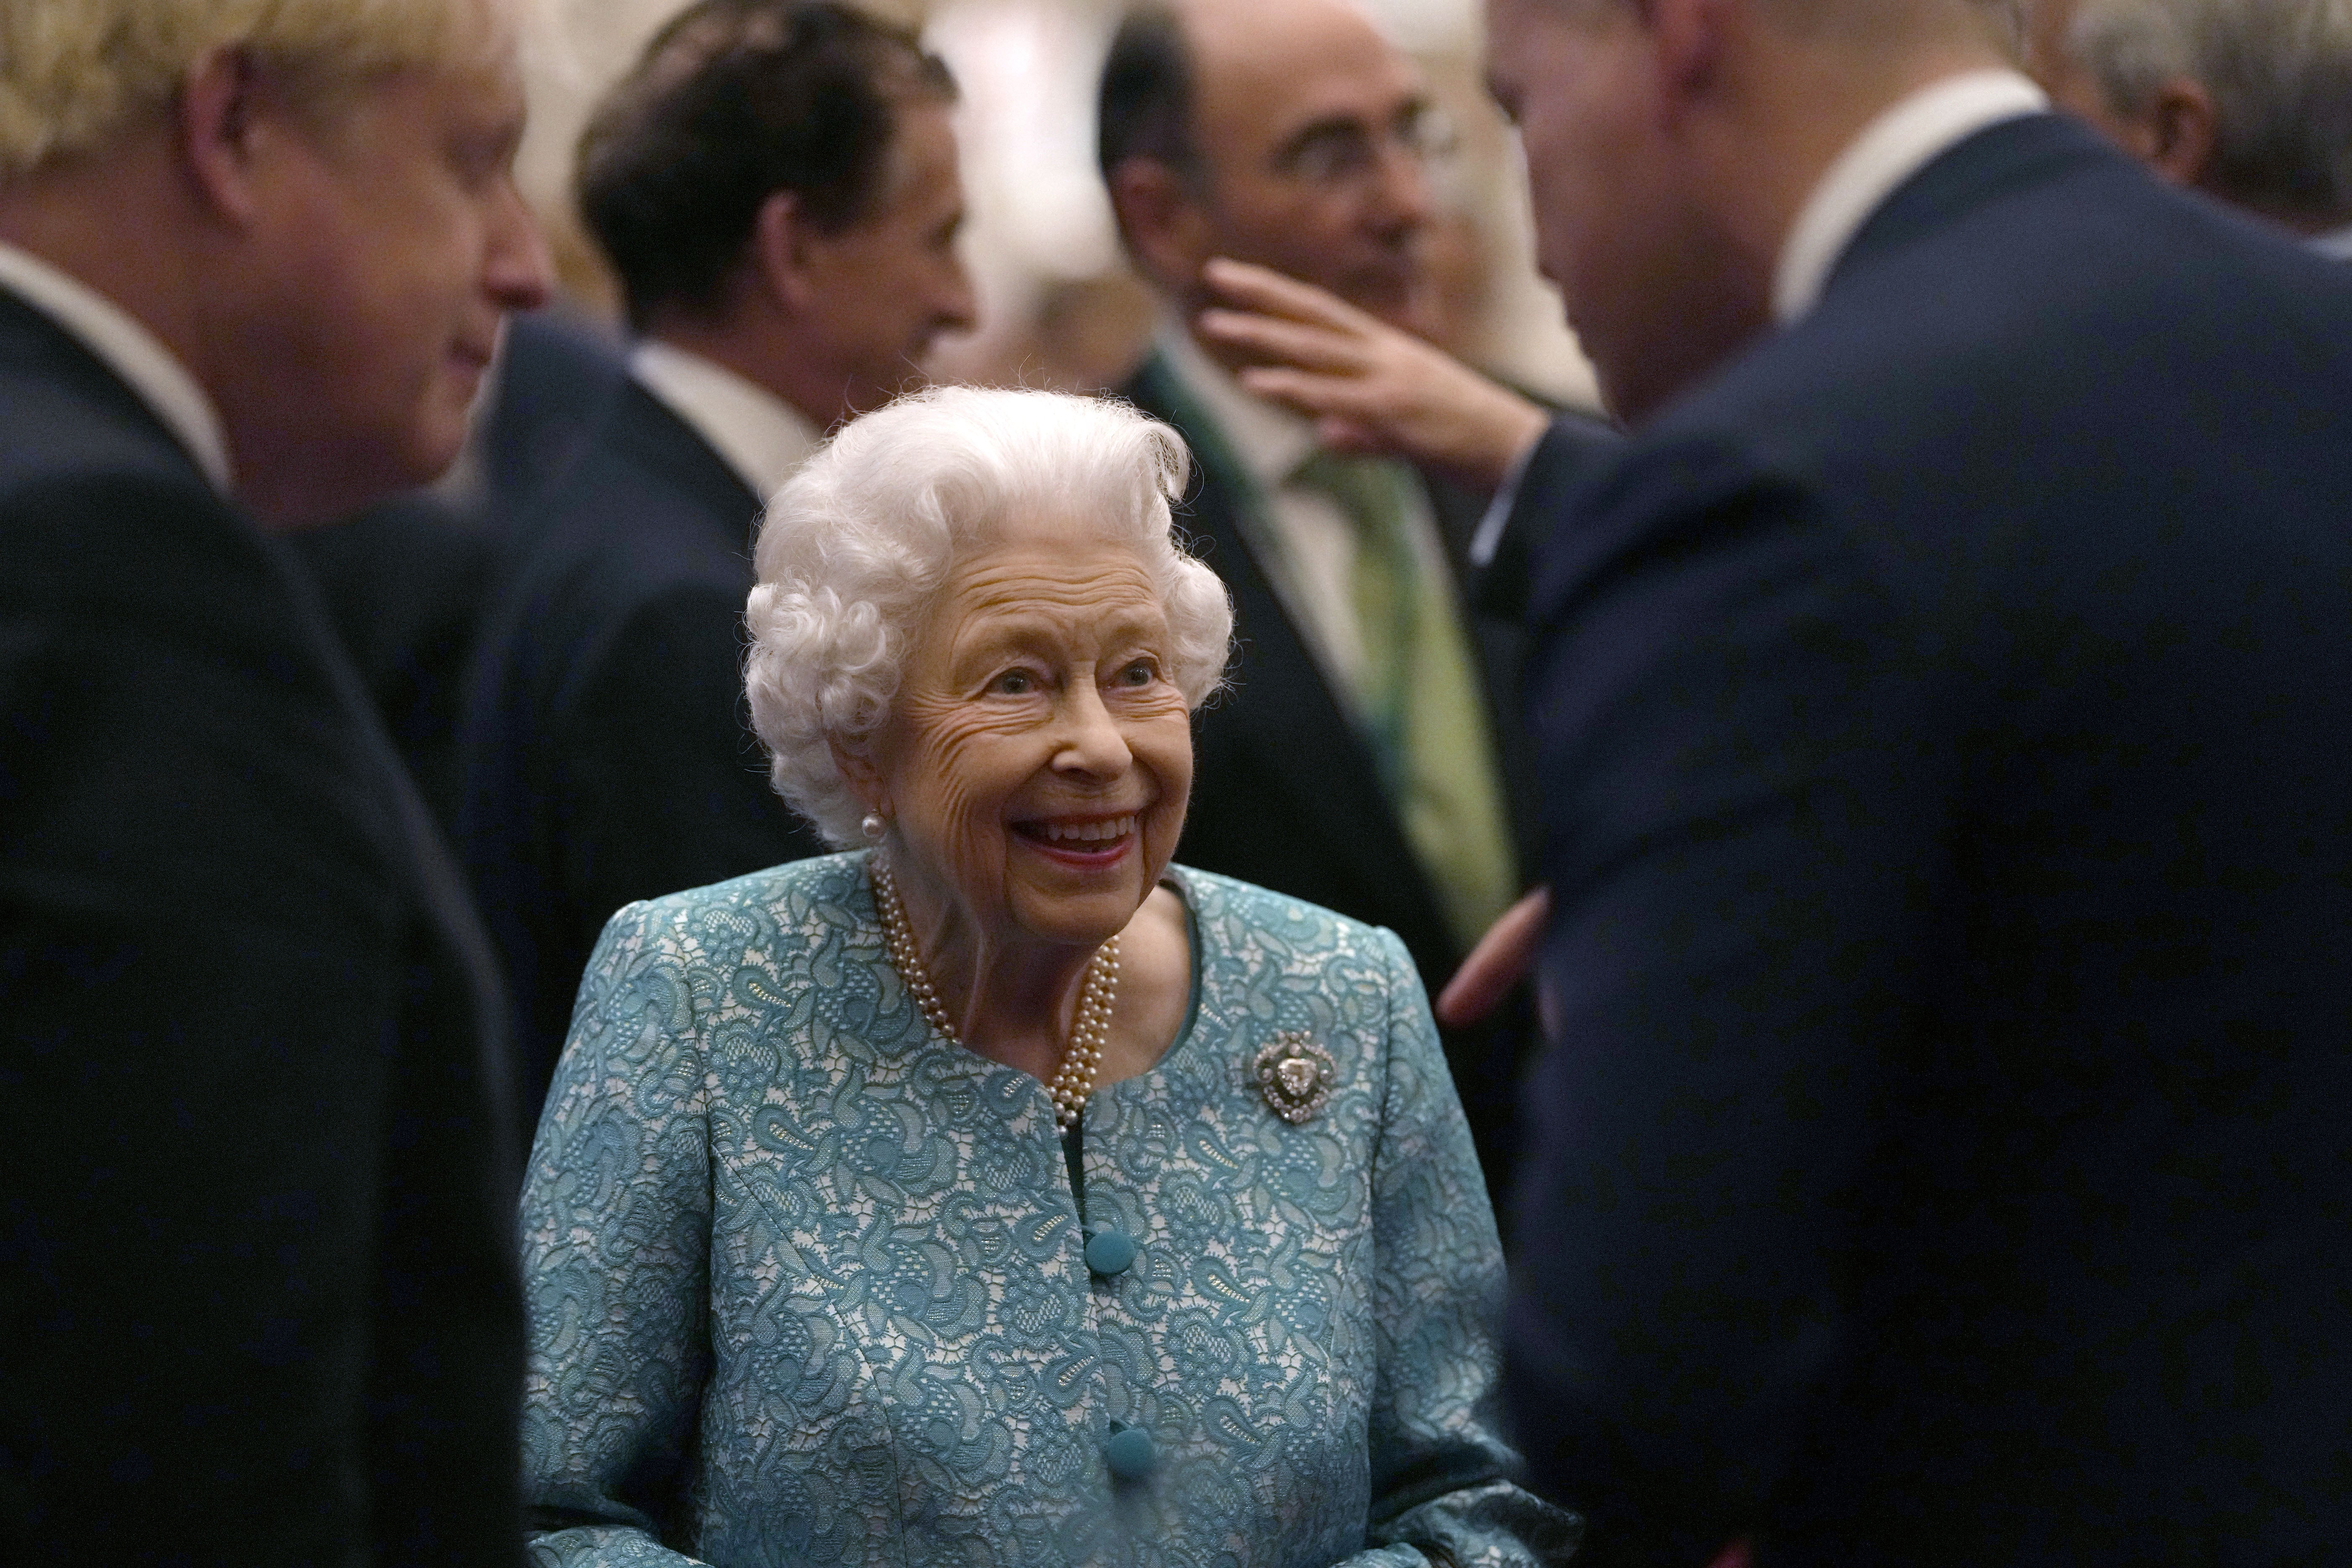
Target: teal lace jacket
{"points": [[809, 1284]]}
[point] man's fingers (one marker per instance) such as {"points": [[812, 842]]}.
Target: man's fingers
{"points": [[1315, 396], [1291, 342], [1404, 398], [1499, 961], [1262, 289]]}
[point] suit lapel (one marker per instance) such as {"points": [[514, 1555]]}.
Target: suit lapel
{"points": [[652, 435], [36, 345]]}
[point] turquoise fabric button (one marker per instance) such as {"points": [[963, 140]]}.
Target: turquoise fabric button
{"points": [[1129, 1453], [1109, 1251]]}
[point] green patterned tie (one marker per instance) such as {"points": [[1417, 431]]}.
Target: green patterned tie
{"points": [[1418, 698]]}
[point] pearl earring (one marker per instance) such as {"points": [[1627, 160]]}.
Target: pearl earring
{"points": [[873, 827]]}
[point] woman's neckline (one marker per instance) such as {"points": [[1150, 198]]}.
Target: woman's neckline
{"points": [[1175, 880]]}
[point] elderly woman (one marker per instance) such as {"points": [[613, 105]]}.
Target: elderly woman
{"points": [[999, 1192]]}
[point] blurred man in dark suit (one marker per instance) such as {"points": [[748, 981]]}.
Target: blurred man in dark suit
{"points": [[1944, 724], [2248, 100], [255, 1174], [776, 186], [1364, 758]]}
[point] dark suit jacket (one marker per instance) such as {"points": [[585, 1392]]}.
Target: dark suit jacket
{"points": [[1571, 450], [404, 583], [607, 751], [558, 374], [258, 1300], [1285, 790], [1944, 719]]}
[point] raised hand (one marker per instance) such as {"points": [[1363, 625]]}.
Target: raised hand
{"points": [[1369, 387]]}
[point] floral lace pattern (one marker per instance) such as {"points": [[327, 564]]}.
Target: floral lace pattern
{"points": [[809, 1284]]}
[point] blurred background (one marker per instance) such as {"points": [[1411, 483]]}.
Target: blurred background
{"points": [[1059, 307]]}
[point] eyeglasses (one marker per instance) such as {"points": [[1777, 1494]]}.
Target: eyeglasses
{"points": [[1336, 154]]}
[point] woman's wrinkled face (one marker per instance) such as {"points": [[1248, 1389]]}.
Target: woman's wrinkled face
{"points": [[1038, 758]]}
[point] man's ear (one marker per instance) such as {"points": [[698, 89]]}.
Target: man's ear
{"points": [[219, 117], [1161, 216], [782, 241], [1688, 37], [2179, 128], [856, 765]]}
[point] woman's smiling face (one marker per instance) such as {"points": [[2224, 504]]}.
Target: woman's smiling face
{"points": [[1037, 759]]}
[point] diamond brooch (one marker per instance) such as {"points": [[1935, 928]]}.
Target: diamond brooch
{"points": [[1296, 1075]]}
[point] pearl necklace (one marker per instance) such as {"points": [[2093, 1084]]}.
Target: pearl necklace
{"points": [[1074, 1078]]}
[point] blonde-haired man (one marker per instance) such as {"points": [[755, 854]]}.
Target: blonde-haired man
{"points": [[254, 1246], [76, 76]]}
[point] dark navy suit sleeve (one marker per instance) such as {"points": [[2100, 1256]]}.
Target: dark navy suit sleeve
{"points": [[1569, 453], [1736, 780], [662, 785], [1566, 456]]}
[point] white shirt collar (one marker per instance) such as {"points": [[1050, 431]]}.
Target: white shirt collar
{"points": [[2335, 243], [1890, 150], [1269, 441], [129, 349], [763, 439]]}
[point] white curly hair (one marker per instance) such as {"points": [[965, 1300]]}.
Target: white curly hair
{"points": [[855, 548]]}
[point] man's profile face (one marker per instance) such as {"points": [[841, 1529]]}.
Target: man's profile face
{"points": [[891, 282], [1652, 285], [396, 241], [1311, 131]]}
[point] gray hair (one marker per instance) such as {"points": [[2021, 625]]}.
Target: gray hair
{"points": [[858, 545], [2280, 74]]}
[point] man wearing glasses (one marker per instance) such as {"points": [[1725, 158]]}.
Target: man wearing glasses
{"points": [[1364, 759]]}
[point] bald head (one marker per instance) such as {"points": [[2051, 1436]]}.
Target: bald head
{"points": [[1248, 48], [1670, 145], [1286, 133]]}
